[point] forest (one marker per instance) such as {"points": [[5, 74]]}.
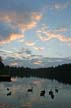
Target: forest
{"points": [[61, 73]]}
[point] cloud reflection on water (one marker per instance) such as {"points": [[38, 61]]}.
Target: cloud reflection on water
{"points": [[20, 98]]}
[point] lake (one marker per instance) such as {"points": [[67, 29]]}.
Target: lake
{"points": [[26, 93]]}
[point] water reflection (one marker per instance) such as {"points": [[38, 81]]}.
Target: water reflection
{"points": [[34, 92], [10, 93]]}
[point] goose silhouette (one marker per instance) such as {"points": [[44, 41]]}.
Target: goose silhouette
{"points": [[51, 92], [42, 93], [8, 89], [30, 89], [56, 90]]}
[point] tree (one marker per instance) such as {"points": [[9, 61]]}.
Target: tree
{"points": [[0, 59], [1, 64]]}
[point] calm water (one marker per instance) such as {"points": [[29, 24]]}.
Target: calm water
{"points": [[15, 94]]}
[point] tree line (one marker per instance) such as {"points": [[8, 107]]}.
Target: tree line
{"points": [[62, 73]]}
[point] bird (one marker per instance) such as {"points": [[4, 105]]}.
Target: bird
{"points": [[30, 89], [56, 90], [8, 89], [50, 92], [42, 93], [8, 94]]}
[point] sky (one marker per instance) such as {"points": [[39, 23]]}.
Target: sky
{"points": [[35, 33]]}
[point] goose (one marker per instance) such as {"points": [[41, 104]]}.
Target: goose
{"points": [[30, 90], [50, 92], [8, 89], [56, 90], [42, 93]]}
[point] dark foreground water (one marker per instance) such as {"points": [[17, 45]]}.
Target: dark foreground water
{"points": [[16, 94]]}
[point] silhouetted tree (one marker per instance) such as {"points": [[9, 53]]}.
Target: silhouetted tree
{"points": [[1, 64], [0, 59]]}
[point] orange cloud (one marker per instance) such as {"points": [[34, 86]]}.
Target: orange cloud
{"points": [[44, 35], [59, 37], [22, 22], [36, 16], [30, 43], [27, 26], [11, 38], [8, 16], [38, 62], [44, 38]]}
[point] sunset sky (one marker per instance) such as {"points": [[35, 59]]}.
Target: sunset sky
{"points": [[35, 33]]}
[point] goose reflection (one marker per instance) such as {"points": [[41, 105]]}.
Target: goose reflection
{"points": [[52, 96], [8, 94]]}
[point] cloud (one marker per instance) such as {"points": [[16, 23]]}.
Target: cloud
{"points": [[24, 50], [24, 53], [17, 24], [36, 16], [30, 43], [20, 54], [56, 5], [43, 38], [10, 54], [27, 26], [21, 40], [69, 44], [23, 20], [11, 38], [30, 20], [61, 30], [15, 18], [59, 37], [59, 6], [38, 48], [8, 34], [36, 56], [24, 57], [45, 35], [38, 62]]}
